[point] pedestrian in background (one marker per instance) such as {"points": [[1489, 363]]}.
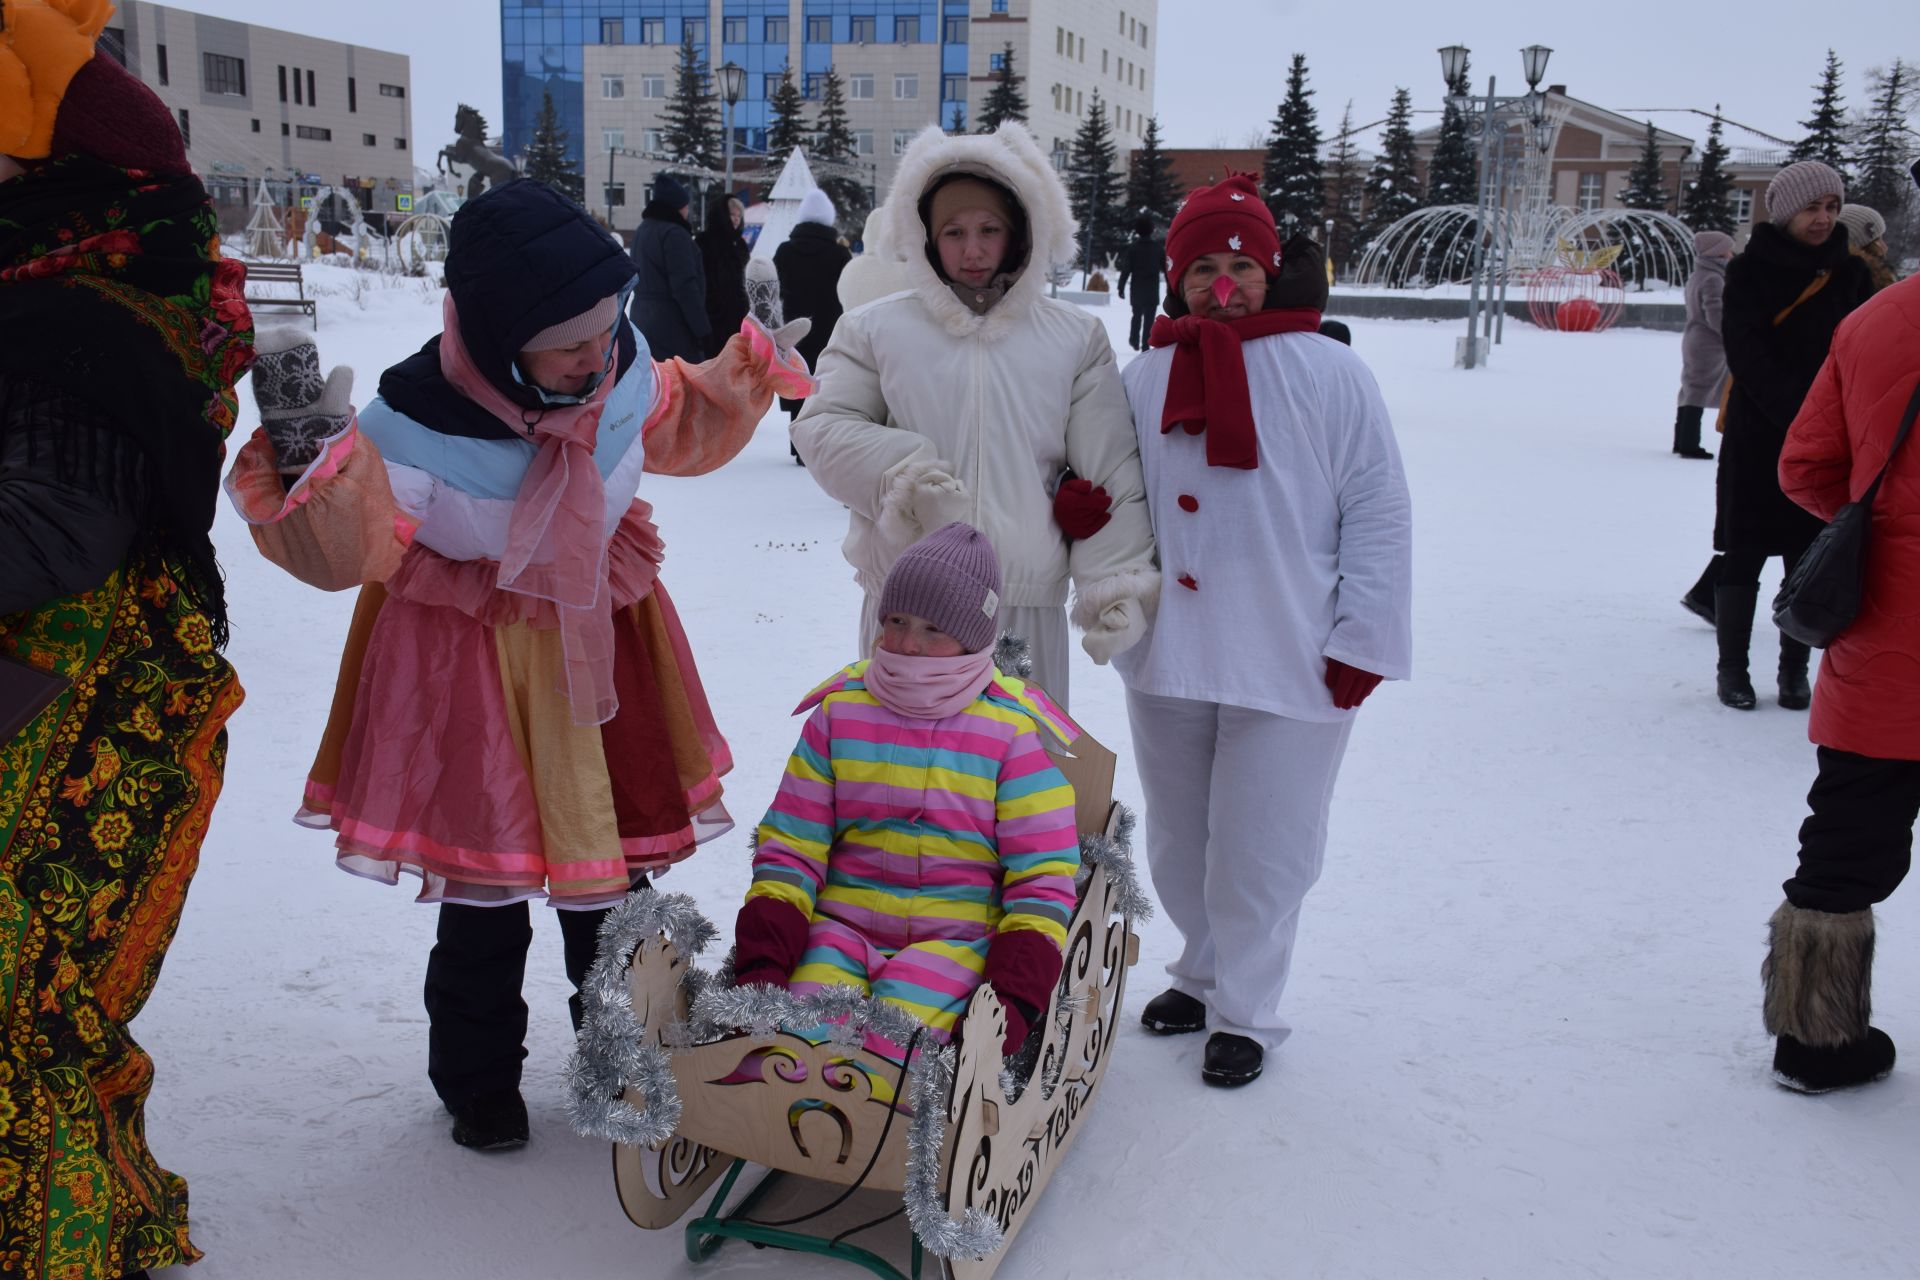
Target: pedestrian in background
{"points": [[723, 261], [670, 293], [1703, 378], [1785, 295], [1856, 844], [809, 264], [1141, 266], [1867, 241]]}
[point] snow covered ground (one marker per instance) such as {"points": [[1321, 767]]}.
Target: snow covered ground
{"points": [[1526, 999]]}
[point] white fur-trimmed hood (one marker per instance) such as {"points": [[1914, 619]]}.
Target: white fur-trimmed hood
{"points": [[1009, 156]]}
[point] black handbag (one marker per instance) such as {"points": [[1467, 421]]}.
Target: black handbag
{"points": [[1821, 597]]}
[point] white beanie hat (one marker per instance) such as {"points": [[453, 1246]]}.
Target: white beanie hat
{"points": [[590, 323], [816, 207], [1863, 223]]}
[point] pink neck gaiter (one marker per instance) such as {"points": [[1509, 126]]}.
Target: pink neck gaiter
{"points": [[928, 688]]}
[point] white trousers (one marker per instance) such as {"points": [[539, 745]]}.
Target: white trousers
{"points": [[1236, 829], [1044, 630]]}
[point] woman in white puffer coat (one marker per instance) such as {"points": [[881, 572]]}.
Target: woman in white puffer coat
{"points": [[969, 394]]}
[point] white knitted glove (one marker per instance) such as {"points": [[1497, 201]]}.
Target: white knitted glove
{"points": [[939, 500], [299, 410], [1120, 627]]}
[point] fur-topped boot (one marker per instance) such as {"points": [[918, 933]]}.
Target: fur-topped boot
{"points": [[1818, 976]]}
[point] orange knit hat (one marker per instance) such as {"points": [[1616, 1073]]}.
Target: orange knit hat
{"points": [[43, 43]]}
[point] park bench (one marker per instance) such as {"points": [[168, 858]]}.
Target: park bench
{"points": [[277, 273]]}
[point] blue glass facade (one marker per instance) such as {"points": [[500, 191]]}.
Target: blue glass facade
{"points": [[541, 50]]}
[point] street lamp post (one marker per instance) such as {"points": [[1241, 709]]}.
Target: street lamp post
{"points": [[1491, 198], [733, 81]]}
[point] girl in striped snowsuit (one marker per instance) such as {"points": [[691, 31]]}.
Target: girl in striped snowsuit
{"points": [[921, 842]]}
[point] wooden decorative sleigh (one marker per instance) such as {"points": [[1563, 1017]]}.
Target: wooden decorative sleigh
{"points": [[832, 1122]]}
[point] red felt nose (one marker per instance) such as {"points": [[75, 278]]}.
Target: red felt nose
{"points": [[1222, 290]]}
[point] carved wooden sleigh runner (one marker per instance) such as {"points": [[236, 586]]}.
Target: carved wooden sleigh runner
{"points": [[967, 1140]]}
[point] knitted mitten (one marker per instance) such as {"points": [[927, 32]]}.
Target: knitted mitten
{"points": [[300, 410]]}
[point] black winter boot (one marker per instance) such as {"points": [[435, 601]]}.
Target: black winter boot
{"points": [[1686, 432], [490, 1122], [1733, 624], [1818, 978], [1174, 1013], [1699, 598], [1231, 1060], [1795, 693]]}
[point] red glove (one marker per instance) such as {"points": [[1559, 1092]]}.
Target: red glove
{"points": [[1081, 508], [769, 937], [1349, 685], [1023, 966]]}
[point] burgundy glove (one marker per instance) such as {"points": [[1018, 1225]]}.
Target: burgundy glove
{"points": [[769, 938], [1023, 966], [1081, 508], [1349, 685]]}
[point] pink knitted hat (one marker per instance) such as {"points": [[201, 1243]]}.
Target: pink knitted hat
{"points": [[951, 578], [590, 323]]}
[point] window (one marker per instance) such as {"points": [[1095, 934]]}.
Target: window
{"points": [[256, 126], [297, 88], [313, 99], [114, 41], [769, 85], [653, 86], [283, 84], [953, 88], [653, 140], [353, 94], [313, 133], [1103, 62], [901, 137], [286, 130], [613, 139], [775, 31], [694, 29], [613, 31], [860, 29], [996, 61], [1123, 22], [733, 30], [161, 62], [653, 31], [399, 144], [863, 142], [819, 31], [906, 86], [860, 88], [616, 193], [1740, 201], [369, 140], [393, 91], [999, 6], [906, 29], [954, 30], [1591, 191], [221, 74], [1143, 35], [613, 86], [816, 85], [186, 128], [1059, 39]]}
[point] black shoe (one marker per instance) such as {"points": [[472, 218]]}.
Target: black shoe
{"points": [[1174, 1013], [1736, 691], [1808, 1070], [1694, 451], [1795, 693], [1231, 1060], [490, 1122]]}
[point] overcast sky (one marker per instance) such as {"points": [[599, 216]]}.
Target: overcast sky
{"points": [[1222, 63]]}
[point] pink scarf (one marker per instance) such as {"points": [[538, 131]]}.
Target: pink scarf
{"points": [[927, 688], [556, 535]]}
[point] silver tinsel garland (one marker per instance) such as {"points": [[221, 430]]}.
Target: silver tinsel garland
{"points": [[929, 1086], [1115, 854]]}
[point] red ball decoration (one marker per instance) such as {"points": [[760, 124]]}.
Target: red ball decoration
{"points": [[1577, 315]]}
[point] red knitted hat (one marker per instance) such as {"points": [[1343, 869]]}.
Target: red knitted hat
{"points": [[1228, 217], [107, 114]]}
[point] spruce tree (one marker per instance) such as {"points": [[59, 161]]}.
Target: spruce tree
{"points": [[1004, 101], [546, 156], [1646, 183], [1290, 179], [1707, 206], [834, 143], [690, 125], [1826, 139], [786, 124], [1393, 183], [1453, 171], [1343, 185], [1884, 184], [959, 122], [1152, 190], [1094, 189]]}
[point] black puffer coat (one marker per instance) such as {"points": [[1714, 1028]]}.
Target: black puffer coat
{"points": [[723, 259], [810, 263], [1142, 263], [1772, 366], [670, 298]]}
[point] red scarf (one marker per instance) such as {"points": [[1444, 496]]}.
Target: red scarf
{"points": [[1207, 388]]}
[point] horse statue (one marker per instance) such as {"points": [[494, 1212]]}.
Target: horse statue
{"points": [[471, 149]]}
